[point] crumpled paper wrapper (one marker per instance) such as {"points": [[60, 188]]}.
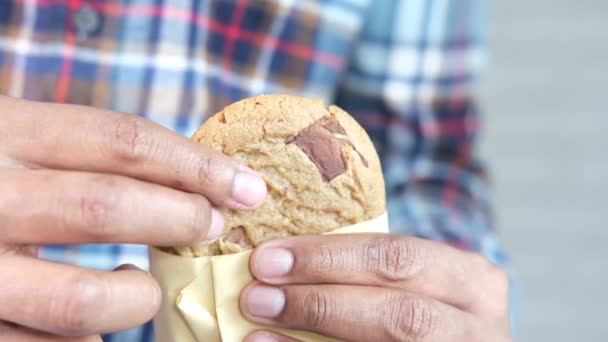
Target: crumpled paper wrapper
{"points": [[200, 300]]}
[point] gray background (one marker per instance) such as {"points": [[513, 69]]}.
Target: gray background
{"points": [[545, 96]]}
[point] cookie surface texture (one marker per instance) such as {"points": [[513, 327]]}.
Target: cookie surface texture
{"points": [[320, 167]]}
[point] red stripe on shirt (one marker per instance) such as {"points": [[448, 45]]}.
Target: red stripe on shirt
{"points": [[63, 81], [295, 49], [233, 33]]}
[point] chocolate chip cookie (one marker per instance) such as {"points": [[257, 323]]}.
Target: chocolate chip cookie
{"points": [[320, 167]]}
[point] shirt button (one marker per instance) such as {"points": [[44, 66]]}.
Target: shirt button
{"points": [[86, 22]]}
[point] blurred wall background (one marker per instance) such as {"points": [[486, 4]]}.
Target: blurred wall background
{"points": [[546, 103]]}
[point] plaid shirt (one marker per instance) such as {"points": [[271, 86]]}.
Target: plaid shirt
{"points": [[403, 68]]}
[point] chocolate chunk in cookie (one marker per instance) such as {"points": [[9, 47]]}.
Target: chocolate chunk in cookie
{"points": [[323, 147], [239, 237]]}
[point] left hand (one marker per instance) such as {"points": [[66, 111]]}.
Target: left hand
{"points": [[375, 287]]}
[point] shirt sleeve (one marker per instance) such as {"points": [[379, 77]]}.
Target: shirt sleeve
{"points": [[410, 83]]}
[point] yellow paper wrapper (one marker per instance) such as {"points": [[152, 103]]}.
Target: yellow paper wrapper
{"points": [[200, 295]]}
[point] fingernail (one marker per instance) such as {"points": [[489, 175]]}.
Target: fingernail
{"points": [[265, 301], [273, 262], [261, 336], [248, 189], [127, 267], [216, 229]]}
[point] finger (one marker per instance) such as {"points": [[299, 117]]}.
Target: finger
{"points": [[432, 269], [356, 313], [48, 207], [88, 139], [268, 336], [13, 333], [65, 300]]}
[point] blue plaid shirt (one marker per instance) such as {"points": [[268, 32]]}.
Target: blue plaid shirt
{"points": [[405, 69]]}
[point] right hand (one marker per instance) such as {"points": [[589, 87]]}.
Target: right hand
{"points": [[72, 174]]}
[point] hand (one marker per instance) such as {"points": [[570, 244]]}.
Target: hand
{"points": [[72, 174], [375, 287]]}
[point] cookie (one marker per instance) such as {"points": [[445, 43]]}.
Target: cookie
{"points": [[320, 167]]}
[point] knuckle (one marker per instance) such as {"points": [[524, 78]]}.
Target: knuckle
{"points": [[73, 308], [496, 281], [327, 260], [410, 319], [393, 258], [128, 140], [204, 170], [92, 210], [490, 286], [318, 307]]}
